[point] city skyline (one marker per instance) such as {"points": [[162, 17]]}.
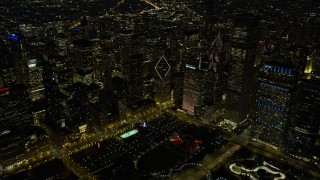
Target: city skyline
{"points": [[160, 89]]}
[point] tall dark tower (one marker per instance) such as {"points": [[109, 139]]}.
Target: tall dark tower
{"points": [[15, 117], [84, 62], [5, 56], [54, 98], [134, 72], [162, 81], [240, 81], [210, 12], [193, 93], [215, 79], [107, 80], [18, 56], [304, 130], [178, 86]]}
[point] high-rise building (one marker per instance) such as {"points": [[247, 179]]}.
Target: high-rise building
{"points": [[36, 86], [192, 56], [107, 80], [79, 109], [102, 62], [5, 61], [192, 89], [134, 72], [15, 108], [162, 81], [273, 104], [55, 116], [304, 129], [8, 77], [122, 107], [15, 117], [18, 57], [84, 62], [241, 72], [215, 79], [178, 86]]}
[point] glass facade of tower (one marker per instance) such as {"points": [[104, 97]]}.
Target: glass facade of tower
{"points": [[305, 124], [215, 77], [162, 81], [134, 72], [35, 80], [240, 77], [15, 116], [272, 106], [192, 90]]}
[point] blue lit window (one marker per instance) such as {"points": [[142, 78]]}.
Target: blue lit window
{"points": [[76, 29], [265, 49], [14, 37]]}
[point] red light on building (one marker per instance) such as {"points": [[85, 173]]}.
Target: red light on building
{"points": [[198, 142], [2, 90], [176, 139]]}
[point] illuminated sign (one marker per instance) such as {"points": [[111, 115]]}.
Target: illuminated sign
{"points": [[32, 63], [190, 66], [129, 133]]}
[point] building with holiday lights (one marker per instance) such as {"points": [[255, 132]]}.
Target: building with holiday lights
{"points": [[273, 104]]}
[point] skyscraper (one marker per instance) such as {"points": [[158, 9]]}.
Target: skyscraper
{"points": [[134, 72], [305, 124], [15, 116], [15, 108], [36, 86], [107, 80], [215, 79], [273, 103], [84, 61], [54, 98], [178, 86], [244, 42], [162, 81], [5, 56], [192, 89], [18, 56]]}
